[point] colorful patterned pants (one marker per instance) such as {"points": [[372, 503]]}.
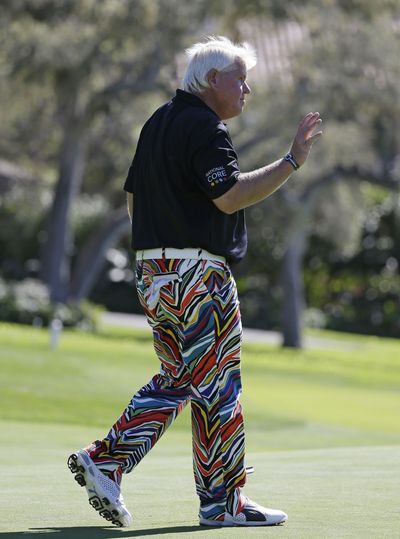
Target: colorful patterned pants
{"points": [[193, 309]]}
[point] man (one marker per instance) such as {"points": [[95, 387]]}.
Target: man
{"points": [[186, 197]]}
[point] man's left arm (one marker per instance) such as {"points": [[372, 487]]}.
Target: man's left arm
{"points": [[254, 186]]}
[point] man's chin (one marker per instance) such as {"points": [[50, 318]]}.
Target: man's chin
{"points": [[234, 113]]}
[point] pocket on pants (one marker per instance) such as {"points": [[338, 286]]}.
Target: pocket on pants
{"points": [[163, 286]]}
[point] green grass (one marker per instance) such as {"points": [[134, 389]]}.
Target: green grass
{"points": [[89, 379], [322, 425]]}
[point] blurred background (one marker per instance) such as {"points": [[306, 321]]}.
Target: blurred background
{"points": [[78, 79]]}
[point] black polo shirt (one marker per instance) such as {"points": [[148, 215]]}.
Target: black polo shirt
{"points": [[184, 159]]}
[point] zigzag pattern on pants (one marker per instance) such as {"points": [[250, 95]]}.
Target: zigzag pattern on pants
{"points": [[193, 308]]}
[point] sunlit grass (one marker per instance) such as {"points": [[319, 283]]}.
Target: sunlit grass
{"points": [[306, 398], [322, 432]]}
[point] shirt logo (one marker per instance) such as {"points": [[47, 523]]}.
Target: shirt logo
{"points": [[216, 175]]}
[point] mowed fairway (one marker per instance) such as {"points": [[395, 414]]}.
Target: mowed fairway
{"points": [[323, 433]]}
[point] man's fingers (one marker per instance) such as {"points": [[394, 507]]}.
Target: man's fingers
{"points": [[309, 121], [308, 128], [314, 138], [306, 136], [312, 127], [309, 117], [312, 121]]}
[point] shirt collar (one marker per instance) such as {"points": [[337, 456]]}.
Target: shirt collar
{"points": [[191, 99]]}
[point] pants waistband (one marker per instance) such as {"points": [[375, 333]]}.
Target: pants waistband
{"points": [[171, 252]]}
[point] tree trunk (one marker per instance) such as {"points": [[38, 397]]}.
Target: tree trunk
{"points": [[293, 293], [56, 262], [91, 257]]}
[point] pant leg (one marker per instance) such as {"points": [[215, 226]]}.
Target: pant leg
{"points": [[155, 406], [203, 308], [211, 350]]}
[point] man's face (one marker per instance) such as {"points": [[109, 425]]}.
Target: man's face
{"points": [[230, 89]]}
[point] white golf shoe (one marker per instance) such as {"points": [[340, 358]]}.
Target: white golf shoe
{"points": [[249, 514], [104, 494]]}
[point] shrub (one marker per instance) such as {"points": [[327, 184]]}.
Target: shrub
{"points": [[27, 302]]}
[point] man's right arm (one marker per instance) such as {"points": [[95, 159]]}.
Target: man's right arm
{"points": [[129, 201]]}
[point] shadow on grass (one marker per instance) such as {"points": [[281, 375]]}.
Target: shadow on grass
{"points": [[98, 533]]}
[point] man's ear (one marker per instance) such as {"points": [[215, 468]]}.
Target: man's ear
{"points": [[212, 76]]}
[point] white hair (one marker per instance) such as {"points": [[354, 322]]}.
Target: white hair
{"points": [[219, 53]]}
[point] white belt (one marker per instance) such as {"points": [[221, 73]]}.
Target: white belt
{"points": [[171, 252]]}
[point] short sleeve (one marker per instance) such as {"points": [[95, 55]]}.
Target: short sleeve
{"points": [[128, 185], [215, 164], [135, 167]]}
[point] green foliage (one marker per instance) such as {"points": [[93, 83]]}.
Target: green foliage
{"points": [[347, 68], [259, 301], [105, 66], [360, 293], [27, 302], [364, 305], [87, 214], [22, 206]]}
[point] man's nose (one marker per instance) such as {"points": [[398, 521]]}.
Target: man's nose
{"points": [[246, 88]]}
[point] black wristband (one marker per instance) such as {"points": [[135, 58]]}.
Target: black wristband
{"points": [[291, 159]]}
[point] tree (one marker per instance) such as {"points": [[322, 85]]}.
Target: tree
{"points": [[347, 68], [95, 70], [90, 55]]}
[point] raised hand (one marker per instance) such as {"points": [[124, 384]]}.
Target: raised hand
{"points": [[306, 136]]}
